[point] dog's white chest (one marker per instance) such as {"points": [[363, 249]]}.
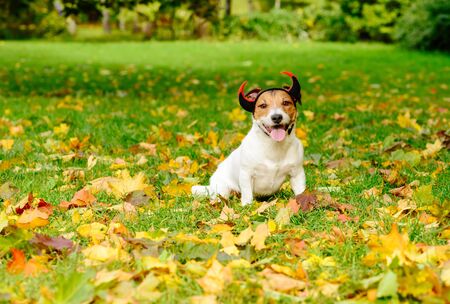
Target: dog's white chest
{"points": [[269, 176], [269, 166]]}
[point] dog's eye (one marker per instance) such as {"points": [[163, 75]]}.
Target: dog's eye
{"points": [[263, 106], [286, 102]]}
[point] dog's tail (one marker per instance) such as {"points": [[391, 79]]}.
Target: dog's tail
{"points": [[202, 191]]}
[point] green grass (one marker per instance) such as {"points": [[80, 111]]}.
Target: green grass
{"points": [[120, 94]]}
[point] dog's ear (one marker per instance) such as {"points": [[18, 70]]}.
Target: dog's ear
{"points": [[295, 90], [247, 101], [253, 93]]}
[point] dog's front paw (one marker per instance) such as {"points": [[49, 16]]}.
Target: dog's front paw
{"points": [[246, 201]]}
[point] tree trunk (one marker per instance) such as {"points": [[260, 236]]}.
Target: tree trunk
{"points": [[148, 29], [106, 21], [227, 8], [251, 7], [71, 25], [277, 4]]}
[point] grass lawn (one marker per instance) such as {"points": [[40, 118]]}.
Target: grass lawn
{"points": [[112, 135]]}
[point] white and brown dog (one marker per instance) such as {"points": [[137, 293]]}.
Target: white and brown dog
{"points": [[268, 154]]}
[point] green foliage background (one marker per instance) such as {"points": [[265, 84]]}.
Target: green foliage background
{"points": [[421, 24]]}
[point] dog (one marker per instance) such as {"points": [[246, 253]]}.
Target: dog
{"points": [[268, 154]]}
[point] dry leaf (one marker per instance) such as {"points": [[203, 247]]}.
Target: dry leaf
{"points": [[259, 237]]}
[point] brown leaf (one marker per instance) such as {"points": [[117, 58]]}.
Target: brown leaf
{"points": [[58, 243], [25, 204], [144, 148], [137, 198], [280, 282], [307, 201], [7, 190], [297, 246], [392, 177], [337, 163], [403, 191]]}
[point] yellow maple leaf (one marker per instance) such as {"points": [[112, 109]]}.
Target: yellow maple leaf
{"points": [[213, 282], [120, 185], [62, 129], [95, 231], [259, 237], [227, 242], [6, 144], [280, 282], [405, 121], [103, 253], [244, 236], [394, 245], [309, 115], [237, 115], [301, 133], [174, 188], [125, 184], [432, 149], [149, 262]]}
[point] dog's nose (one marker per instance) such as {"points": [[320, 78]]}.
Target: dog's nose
{"points": [[276, 118]]}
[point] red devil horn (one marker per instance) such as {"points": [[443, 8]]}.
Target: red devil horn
{"points": [[246, 103], [295, 89]]}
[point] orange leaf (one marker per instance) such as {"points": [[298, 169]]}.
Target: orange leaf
{"points": [[82, 198], [17, 264], [32, 218]]}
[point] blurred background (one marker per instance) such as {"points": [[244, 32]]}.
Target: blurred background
{"points": [[419, 24]]}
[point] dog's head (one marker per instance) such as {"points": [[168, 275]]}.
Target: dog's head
{"points": [[274, 110]]}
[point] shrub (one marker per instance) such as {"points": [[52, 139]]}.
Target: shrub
{"points": [[277, 25], [24, 19], [325, 21], [426, 25], [373, 19]]}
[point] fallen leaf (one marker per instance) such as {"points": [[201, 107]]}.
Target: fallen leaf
{"points": [[32, 218], [280, 282], [215, 279], [432, 149], [405, 121], [264, 206], [283, 217], [259, 237], [306, 201], [228, 214], [208, 299], [95, 231], [8, 190], [297, 246], [244, 237], [82, 198], [227, 241], [19, 264], [388, 285], [403, 191], [58, 243]]}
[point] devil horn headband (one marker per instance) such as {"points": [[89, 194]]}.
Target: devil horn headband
{"points": [[248, 103]]}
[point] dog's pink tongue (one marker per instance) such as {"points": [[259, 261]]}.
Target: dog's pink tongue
{"points": [[278, 134]]}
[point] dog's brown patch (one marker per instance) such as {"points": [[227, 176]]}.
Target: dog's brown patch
{"points": [[275, 99]]}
